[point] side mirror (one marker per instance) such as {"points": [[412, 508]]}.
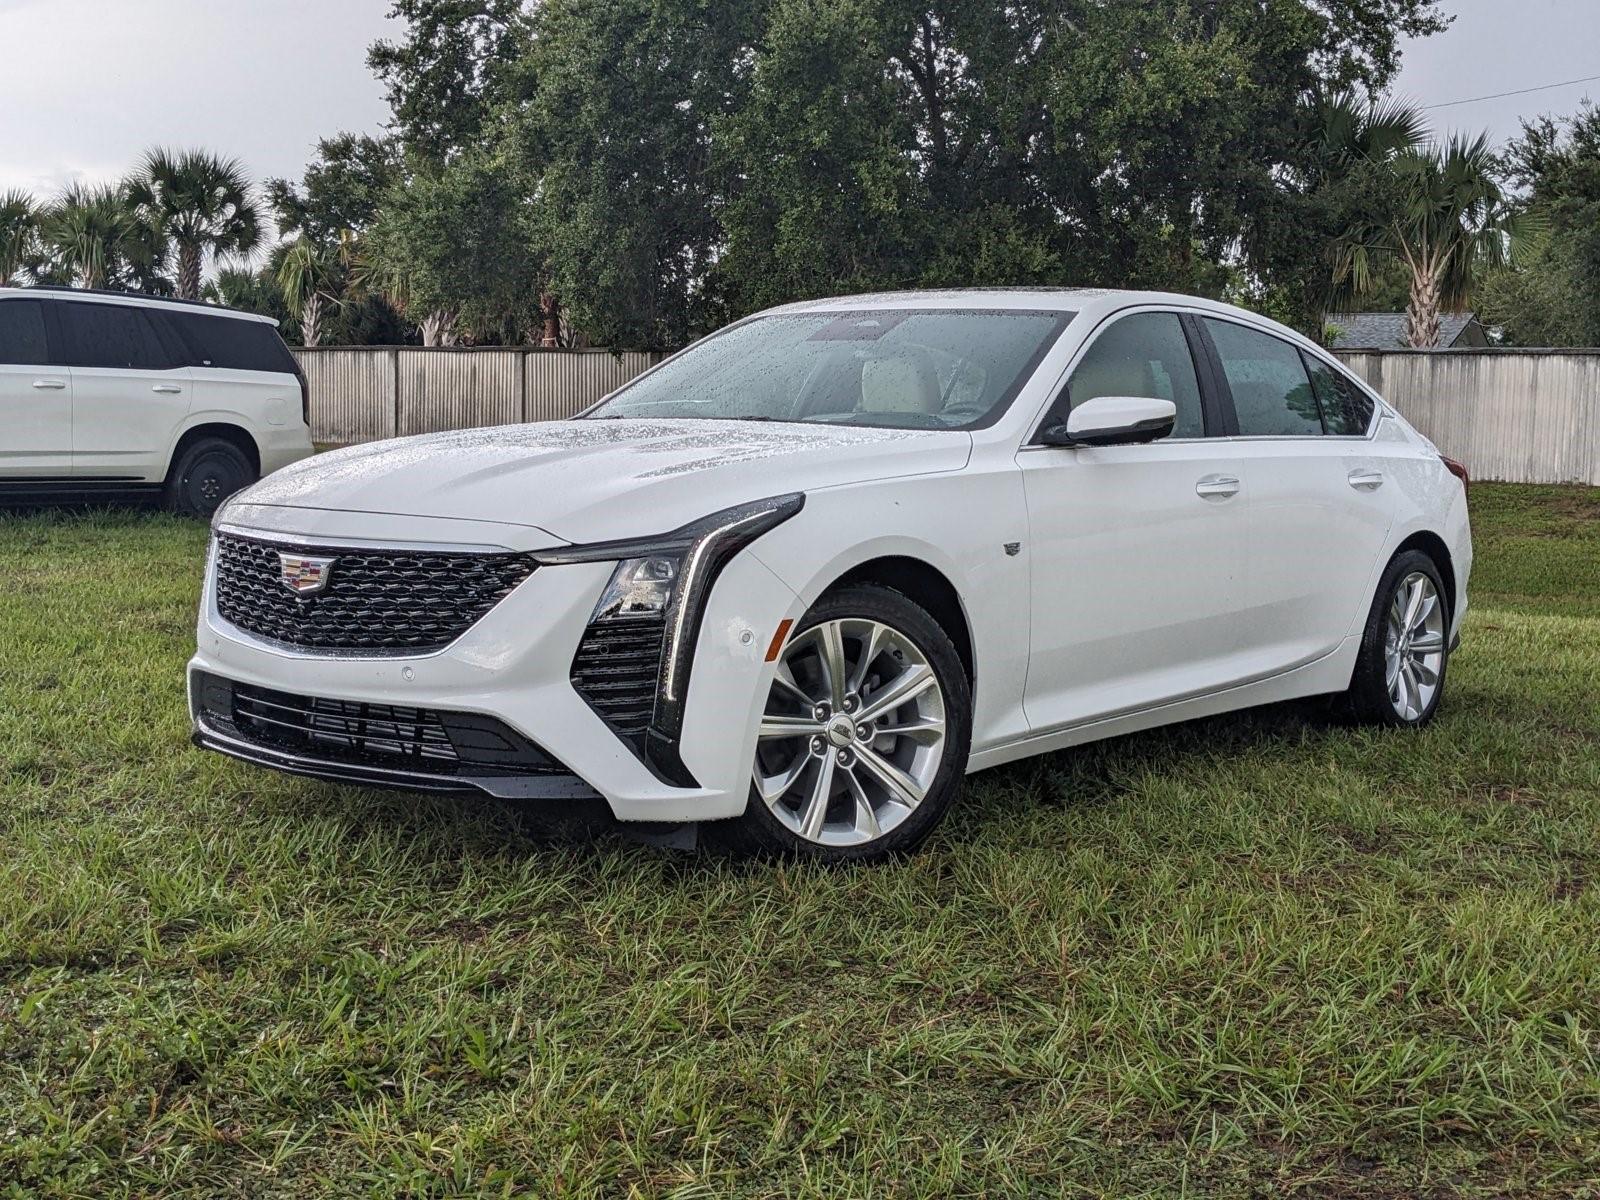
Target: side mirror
{"points": [[1113, 421]]}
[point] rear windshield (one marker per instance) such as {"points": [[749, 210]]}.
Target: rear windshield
{"points": [[902, 368], [231, 343]]}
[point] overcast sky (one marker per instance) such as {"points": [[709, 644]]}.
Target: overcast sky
{"points": [[87, 85]]}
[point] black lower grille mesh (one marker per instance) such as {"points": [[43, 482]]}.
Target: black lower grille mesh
{"points": [[395, 736], [616, 669], [374, 601]]}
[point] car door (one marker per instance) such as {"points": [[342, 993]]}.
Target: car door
{"points": [[1319, 511], [1137, 553], [129, 393], [35, 396]]}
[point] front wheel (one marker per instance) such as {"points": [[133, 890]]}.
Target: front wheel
{"points": [[865, 734], [205, 475], [1399, 675]]}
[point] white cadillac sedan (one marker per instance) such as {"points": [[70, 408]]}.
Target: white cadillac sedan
{"points": [[802, 577]]}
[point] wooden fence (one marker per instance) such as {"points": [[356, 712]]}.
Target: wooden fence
{"points": [[1525, 416]]}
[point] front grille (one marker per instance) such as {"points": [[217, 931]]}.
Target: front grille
{"points": [[375, 601], [393, 736], [616, 669]]}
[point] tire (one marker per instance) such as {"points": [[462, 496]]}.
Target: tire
{"points": [[1391, 682], [882, 791], [205, 475]]}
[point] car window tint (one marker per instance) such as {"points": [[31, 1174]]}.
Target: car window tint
{"points": [[1272, 394], [230, 342], [1346, 409], [111, 335], [1142, 355], [22, 339]]}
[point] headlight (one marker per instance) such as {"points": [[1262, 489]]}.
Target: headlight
{"points": [[669, 577], [640, 587]]}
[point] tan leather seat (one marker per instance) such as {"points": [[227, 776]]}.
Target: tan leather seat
{"points": [[905, 383]]}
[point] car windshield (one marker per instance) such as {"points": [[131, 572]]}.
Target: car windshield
{"points": [[901, 368]]}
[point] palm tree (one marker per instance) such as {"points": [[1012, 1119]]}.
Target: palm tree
{"points": [[87, 231], [1346, 131], [309, 278], [1444, 215], [19, 234], [201, 204]]}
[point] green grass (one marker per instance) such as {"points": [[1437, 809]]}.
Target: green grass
{"points": [[1261, 955]]}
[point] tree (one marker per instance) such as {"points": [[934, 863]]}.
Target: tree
{"points": [[1553, 298], [19, 235], [452, 68], [310, 279], [340, 190], [1447, 219], [451, 250], [201, 205], [95, 238]]}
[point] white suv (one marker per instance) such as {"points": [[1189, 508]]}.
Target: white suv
{"points": [[812, 570], [112, 394]]}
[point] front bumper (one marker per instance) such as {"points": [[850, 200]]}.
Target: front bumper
{"points": [[514, 665]]}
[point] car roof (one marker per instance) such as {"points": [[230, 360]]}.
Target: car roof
{"points": [[53, 291], [1092, 303]]}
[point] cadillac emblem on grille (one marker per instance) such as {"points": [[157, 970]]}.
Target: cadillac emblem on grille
{"points": [[302, 575]]}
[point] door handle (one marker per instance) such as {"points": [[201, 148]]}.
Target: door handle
{"points": [[1366, 481], [50, 385], [166, 389], [1219, 487]]}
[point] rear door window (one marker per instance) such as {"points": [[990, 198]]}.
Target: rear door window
{"points": [[1346, 409], [231, 343], [117, 336], [22, 336], [1272, 395]]}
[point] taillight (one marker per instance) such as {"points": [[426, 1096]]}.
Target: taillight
{"points": [[305, 400], [1456, 469]]}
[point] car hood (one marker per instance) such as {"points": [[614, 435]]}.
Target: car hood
{"points": [[595, 480]]}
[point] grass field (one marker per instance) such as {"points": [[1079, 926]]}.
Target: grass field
{"points": [[1260, 955]]}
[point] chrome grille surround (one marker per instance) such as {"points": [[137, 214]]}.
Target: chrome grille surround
{"points": [[376, 602]]}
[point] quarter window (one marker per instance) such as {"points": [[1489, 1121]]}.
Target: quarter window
{"points": [[22, 340], [111, 335], [231, 342], [1346, 409], [1272, 394], [1142, 355]]}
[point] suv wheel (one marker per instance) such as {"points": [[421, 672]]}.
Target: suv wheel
{"points": [[1399, 675], [205, 475], [865, 734]]}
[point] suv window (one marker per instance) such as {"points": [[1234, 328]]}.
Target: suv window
{"points": [[1145, 354], [22, 339], [230, 342], [111, 335], [1346, 409], [1272, 394]]}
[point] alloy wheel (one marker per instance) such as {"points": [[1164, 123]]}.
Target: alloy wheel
{"points": [[1414, 646], [853, 733]]}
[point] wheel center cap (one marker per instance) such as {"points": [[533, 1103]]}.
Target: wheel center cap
{"points": [[841, 731]]}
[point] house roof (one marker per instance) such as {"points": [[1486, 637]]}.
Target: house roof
{"points": [[1387, 331]]}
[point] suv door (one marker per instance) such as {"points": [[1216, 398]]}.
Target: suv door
{"points": [[35, 396], [1137, 553], [1319, 513], [129, 393]]}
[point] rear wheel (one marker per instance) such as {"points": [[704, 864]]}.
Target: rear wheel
{"points": [[1399, 675], [865, 734], [205, 475]]}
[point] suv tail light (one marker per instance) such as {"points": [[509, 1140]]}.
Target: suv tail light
{"points": [[305, 395], [1456, 469]]}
